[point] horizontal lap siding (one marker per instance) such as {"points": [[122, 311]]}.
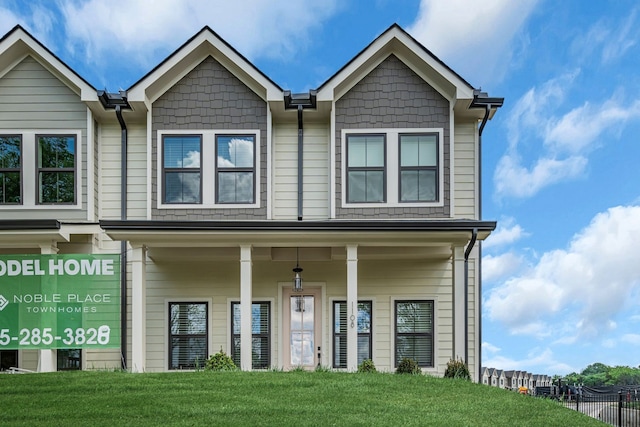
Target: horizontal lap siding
{"points": [[32, 99], [378, 280], [315, 172], [465, 171], [111, 143]]}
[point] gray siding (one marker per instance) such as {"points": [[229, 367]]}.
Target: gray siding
{"points": [[210, 98], [392, 96], [32, 99]]}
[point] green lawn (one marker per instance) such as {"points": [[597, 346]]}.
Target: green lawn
{"points": [[267, 398]]}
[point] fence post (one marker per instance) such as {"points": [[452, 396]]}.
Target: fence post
{"points": [[620, 408]]}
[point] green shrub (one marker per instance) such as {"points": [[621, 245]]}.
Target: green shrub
{"points": [[457, 369], [367, 366], [408, 366], [220, 362]]}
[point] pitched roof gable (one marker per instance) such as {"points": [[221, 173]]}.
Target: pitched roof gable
{"points": [[398, 42], [18, 43], [203, 44]]}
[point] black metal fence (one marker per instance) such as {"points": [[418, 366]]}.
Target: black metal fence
{"points": [[616, 408]]}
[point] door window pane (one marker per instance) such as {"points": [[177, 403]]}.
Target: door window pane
{"points": [[302, 330]]}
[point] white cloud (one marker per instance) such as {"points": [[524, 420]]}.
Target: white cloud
{"points": [[558, 145], [537, 361], [583, 287], [500, 266], [8, 20], [140, 31], [612, 39], [507, 232], [489, 348], [469, 41], [633, 339]]}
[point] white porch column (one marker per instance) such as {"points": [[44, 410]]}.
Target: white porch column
{"points": [[48, 359], [352, 307], [245, 308], [458, 302], [138, 308]]}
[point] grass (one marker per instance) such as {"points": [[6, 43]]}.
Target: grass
{"points": [[267, 398]]}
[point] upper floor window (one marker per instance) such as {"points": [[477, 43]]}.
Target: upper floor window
{"points": [[365, 168], [10, 169], [235, 167], [418, 167], [181, 168], [400, 167], [208, 169], [56, 170]]}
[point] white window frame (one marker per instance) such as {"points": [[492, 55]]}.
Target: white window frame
{"points": [[392, 168], [29, 173], [208, 169]]}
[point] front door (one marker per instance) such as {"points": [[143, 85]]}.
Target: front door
{"points": [[301, 328]]}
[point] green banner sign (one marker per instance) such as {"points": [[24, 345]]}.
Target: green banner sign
{"points": [[59, 301]]}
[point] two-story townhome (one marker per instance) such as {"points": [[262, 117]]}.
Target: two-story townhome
{"points": [[287, 229]]}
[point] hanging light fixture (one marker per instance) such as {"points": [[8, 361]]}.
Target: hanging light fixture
{"points": [[297, 279]]}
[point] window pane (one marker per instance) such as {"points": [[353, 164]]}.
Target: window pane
{"points": [[418, 185], [365, 151], [366, 186], [188, 352], [414, 331], [427, 185], [10, 187], [235, 187], [10, 156], [56, 187], [418, 150], [261, 334], [418, 348], [375, 186], [56, 152], [188, 319], [182, 152], [341, 322], [69, 359], [182, 187], [235, 151]]}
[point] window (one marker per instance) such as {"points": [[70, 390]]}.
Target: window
{"points": [[418, 167], [188, 331], [8, 359], [414, 332], [10, 169], [260, 334], [56, 170], [340, 324], [235, 167], [366, 168], [182, 177], [69, 359]]}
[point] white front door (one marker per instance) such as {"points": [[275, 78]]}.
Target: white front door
{"points": [[301, 328]]}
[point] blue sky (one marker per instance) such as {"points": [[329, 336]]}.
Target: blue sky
{"points": [[560, 159]]}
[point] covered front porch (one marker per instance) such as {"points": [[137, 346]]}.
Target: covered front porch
{"points": [[234, 266]]}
